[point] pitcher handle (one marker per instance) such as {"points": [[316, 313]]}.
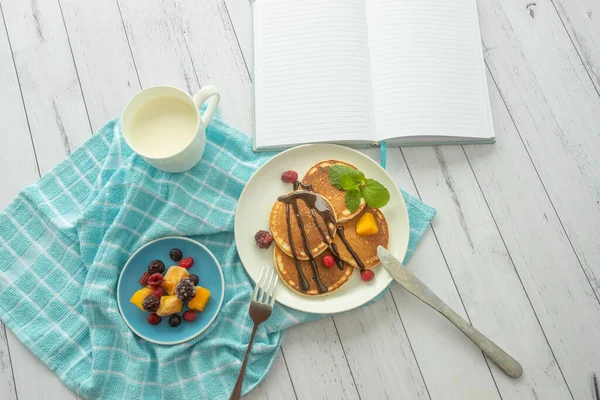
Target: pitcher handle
{"points": [[211, 94]]}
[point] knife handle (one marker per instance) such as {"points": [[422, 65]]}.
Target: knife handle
{"points": [[491, 349]]}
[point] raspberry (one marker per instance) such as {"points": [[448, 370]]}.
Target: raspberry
{"points": [[151, 303], [175, 320], [194, 278], [155, 279], [263, 239], [154, 319], [186, 262], [289, 176], [367, 275], [328, 261], [189, 315], [157, 291], [144, 279], [156, 266], [176, 254]]}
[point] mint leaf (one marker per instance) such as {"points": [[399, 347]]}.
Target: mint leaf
{"points": [[336, 171], [353, 199], [375, 194], [347, 182], [356, 175], [335, 175]]}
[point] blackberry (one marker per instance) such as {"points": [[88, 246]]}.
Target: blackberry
{"points": [[194, 278], [156, 266], [175, 320], [151, 303], [176, 255], [185, 290]]}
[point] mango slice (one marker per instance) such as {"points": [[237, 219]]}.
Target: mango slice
{"points": [[199, 301], [172, 278], [169, 305], [139, 296], [366, 225]]}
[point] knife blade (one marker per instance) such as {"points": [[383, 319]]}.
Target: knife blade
{"points": [[417, 288]]}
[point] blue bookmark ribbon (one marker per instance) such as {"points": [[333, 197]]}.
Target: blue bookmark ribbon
{"points": [[383, 154]]}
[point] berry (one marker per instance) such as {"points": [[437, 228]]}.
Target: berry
{"points": [[155, 280], [185, 290], [329, 261], [189, 315], [151, 303], [194, 278], [289, 176], [367, 275], [156, 266], [144, 279], [157, 291], [175, 320], [176, 254], [186, 262], [263, 239], [154, 319]]}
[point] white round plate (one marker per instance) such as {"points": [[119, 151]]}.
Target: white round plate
{"points": [[262, 191]]}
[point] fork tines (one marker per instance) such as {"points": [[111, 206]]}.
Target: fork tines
{"points": [[264, 292]]}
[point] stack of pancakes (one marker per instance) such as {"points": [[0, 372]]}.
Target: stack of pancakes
{"points": [[293, 257]]}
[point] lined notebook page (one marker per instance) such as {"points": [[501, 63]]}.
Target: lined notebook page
{"points": [[427, 69], [312, 78]]}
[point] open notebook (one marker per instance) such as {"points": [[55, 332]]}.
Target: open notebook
{"points": [[357, 72]]}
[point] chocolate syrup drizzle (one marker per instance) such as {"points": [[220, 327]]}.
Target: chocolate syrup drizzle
{"points": [[316, 205], [340, 232]]}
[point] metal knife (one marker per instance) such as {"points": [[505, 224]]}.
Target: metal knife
{"points": [[411, 283]]}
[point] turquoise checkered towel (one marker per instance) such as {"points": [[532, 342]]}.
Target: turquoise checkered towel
{"points": [[65, 239]]}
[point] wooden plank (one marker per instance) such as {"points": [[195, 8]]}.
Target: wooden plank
{"points": [[379, 353], [25, 366], [217, 59], [316, 361], [240, 15], [102, 56], [277, 383], [452, 366], [547, 266], [7, 381], [14, 134], [14, 131], [51, 92], [581, 18], [555, 108], [483, 271]]}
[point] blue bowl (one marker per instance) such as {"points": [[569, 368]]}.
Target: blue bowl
{"points": [[205, 266]]}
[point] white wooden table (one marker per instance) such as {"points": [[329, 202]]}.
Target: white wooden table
{"points": [[515, 247]]}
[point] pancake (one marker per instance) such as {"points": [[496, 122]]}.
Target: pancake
{"points": [[332, 278], [318, 177], [278, 224], [364, 246]]}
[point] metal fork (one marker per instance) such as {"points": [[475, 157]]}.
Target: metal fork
{"points": [[260, 311]]}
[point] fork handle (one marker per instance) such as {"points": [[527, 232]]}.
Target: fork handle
{"points": [[237, 389]]}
